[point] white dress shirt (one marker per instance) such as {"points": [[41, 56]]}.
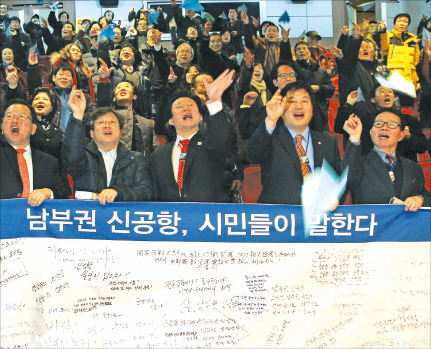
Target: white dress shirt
{"points": [[109, 160]]}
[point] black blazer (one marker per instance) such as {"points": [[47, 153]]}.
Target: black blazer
{"points": [[203, 168], [46, 173], [369, 180], [281, 169]]}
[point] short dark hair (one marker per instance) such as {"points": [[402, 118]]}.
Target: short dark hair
{"points": [[62, 66], [24, 103], [91, 24], [138, 20], [15, 18], [301, 43], [101, 18], [274, 71], [297, 86], [181, 94], [373, 22], [63, 12], [73, 26], [215, 34], [136, 54], [113, 14], [99, 112], [50, 94], [392, 111], [403, 15]]}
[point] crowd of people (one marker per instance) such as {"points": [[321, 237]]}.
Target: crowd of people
{"points": [[236, 94]]}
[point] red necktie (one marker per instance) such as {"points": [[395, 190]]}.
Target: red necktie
{"points": [[390, 159], [183, 145], [23, 170], [302, 154]]}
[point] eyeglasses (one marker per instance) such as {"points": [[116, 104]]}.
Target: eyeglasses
{"points": [[103, 122], [285, 76], [10, 117], [391, 124]]}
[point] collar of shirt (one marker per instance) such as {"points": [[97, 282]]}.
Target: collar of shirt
{"points": [[176, 151], [383, 155], [308, 147], [109, 160]]}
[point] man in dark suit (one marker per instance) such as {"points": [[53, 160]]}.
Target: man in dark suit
{"points": [[191, 167], [234, 26], [25, 172], [288, 150], [383, 175]]}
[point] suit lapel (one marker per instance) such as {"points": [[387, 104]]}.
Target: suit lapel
{"points": [[192, 149], [12, 158], [37, 169], [317, 149], [286, 140], [382, 173]]}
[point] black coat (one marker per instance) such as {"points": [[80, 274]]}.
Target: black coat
{"points": [[46, 173]]}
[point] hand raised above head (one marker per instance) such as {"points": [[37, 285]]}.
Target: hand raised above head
{"points": [[353, 126], [216, 89], [77, 103], [275, 108]]}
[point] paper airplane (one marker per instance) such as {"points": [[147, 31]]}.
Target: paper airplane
{"points": [[35, 49], [153, 17], [284, 18], [130, 25], [396, 82], [192, 5], [242, 8], [107, 33], [320, 191], [224, 15], [361, 95], [302, 35]]}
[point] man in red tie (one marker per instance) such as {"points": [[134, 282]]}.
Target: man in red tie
{"points": [[191, 167], [288, 150], [25, 172]]}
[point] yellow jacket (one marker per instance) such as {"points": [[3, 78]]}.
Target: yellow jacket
{"points": [[403, 55]]}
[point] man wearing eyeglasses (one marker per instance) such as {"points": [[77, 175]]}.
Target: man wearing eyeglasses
{"points": [[26, 172], [104, 169], [383, 176]]}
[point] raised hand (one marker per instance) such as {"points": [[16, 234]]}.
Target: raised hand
{"points": [[172, 77], [353, 97], [64, 54], [44, 23], [427, 47], [255, 21], [336, 52], [274, 109], [12, 77], [353, 126], [133, 31], [104, 72], [381, 27], [32, 58], [284, 33], [77, 103], [250, 98], [216, 89]]}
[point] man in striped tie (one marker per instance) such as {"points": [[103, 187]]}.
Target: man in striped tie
{"points": [[288, 150], [26, 172]]}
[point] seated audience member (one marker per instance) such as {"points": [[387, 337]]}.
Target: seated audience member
{"points": [[414, 141], [26, 172], [118, 39], [191, 167], [320, 82], [269, 50], [34, 29], [228, 47], [234, 27], [317, 52], [57, 24], [137, 132], [129, 68], [56, 43], [159, 24], [357, 67], [13, 55], [62, 76], [82, 77], [383, 174], [15, 33], [287, 150], [215, 62], [183, 22], [105, 166]]}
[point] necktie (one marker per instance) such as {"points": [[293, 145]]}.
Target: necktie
{"points": [[302, 156], [183, 145], [23, 170], [390, 159]]}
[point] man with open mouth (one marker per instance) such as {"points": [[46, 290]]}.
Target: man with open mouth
{"points": [[288, 150], [383, 176], [104, 168], [26, 172]]}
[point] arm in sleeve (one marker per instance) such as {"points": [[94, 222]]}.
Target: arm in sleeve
{"points": [[34, 79], [142, 189], [249, 37], [259, 145], [286, 51]]}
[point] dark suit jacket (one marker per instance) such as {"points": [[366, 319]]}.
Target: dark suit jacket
{"points": [[203, 168], [46, 173], [370, 183], [281, 169]]}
